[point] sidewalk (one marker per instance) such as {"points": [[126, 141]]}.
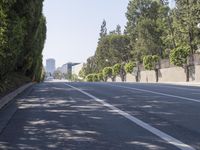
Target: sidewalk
{"points": [[197, 84]]}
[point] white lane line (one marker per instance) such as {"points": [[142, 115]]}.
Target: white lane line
{"points": [[158, 93], [162, 135]]}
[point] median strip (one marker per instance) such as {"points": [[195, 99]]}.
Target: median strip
{"points": [[157, 132]]}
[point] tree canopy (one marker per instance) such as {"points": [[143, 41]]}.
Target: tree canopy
{"points": [[22, 38], [153, 31]]}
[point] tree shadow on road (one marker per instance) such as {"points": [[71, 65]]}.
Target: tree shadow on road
{"points": [[54, 116]]}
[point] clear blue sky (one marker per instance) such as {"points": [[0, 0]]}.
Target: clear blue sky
{"points": [[73, 26]]}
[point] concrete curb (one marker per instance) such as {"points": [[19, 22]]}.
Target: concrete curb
{"points": [[6, 99], [189, 84], [196, 84]]}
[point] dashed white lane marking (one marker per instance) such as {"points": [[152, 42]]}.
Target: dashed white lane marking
{"points": [[162, 135], [158, 93]]}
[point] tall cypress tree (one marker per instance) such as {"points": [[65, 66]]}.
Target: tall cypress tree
{"points": [[186, 17], [103, 31], [118, 30], [146, 27]]}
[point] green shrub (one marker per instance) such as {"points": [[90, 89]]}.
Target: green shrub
{"points": [[95, 78], [107, 72], [89, 78], [100, 76], [150, 62], [129, 67], [116, 69], [12, 81], [178, 56]]}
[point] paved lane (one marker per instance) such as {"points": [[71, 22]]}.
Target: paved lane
{"points": [[177, 117], [56, 116]]}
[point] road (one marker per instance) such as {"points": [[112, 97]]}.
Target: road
{"points": [[102, 116]]}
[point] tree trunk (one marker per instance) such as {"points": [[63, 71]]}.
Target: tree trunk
{"points": [[187, 73], [113, 79], [156, 71]]}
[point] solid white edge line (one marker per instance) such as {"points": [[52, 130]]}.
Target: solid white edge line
{"points": [[171, 140], [157, 93]]}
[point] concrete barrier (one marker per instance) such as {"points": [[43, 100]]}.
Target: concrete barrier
{"points": [[6, 99], [172, 74]]}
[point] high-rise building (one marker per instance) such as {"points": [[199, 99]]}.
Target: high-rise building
{"points": [[50, 66]]}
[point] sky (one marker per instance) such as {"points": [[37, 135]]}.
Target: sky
{"points": [[73, 27]]}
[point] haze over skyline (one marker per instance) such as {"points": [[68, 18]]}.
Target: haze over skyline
{"points": [[73, 28]]}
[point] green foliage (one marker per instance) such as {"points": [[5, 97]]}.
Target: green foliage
{"points": [[107, 72], [103, 32], [118, 30], [89, 78], [155, 58], [152, 28], [91, 66], [95, 78], [11, 82], [22, 37], [100, 77], [185, 20], [146, 27], [112, 49], [179, 55], [147, 61], [75, 78], [150, 62], [116, 69], [3, 41], [92, 78], [102, 54], [119, 48], [82, 73], [129, 67]]}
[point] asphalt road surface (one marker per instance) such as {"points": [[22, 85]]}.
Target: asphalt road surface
{"points": [[102, 116]]}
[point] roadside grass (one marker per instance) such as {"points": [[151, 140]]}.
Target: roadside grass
{"points": [[12, 82]]}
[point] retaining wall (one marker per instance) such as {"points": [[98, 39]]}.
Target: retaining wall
{"points": [[172, 74]]}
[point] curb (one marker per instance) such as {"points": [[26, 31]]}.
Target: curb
{"points": [[194, 84], [6, 99]]}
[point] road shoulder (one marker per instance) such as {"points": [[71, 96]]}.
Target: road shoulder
{"points": [[9, 97]]}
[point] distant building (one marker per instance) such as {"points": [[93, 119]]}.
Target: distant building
{"points": [[67, 68], [50, 66], [77, 68]]}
